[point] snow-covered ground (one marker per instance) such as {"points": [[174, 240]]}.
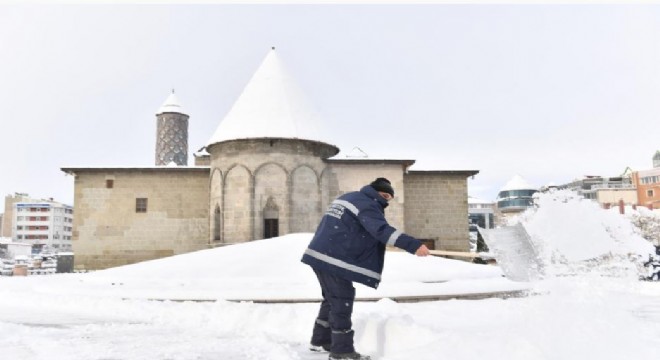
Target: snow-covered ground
{"points": [[588, 305]]}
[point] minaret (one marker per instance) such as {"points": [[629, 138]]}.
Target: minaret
{"points": [[171, 133]]}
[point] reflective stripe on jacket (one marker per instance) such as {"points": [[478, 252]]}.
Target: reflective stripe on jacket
{"points": [[351, 238]]}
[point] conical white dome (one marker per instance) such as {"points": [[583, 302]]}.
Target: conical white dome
{"points": [[517, 182], [270, 106]]}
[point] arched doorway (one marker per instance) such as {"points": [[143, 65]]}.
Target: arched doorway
{"points": [[271, 219]]}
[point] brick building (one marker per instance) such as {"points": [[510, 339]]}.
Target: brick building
{"points": [[647, 183]]}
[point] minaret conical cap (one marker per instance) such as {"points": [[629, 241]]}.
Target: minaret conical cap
{"points": [[171, 105]]}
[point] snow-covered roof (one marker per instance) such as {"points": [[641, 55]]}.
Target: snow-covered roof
{"points": [[171, 105], [270, 106], [357, 153], [517, 182], [202, 152], [474, 200], [72, 170], [9, 241]]}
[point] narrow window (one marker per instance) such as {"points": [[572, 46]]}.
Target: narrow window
{"points": [[109, 183], [217, 218], [141, 205], [649, 193]]}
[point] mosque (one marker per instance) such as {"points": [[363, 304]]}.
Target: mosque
{"points": [[265, 172]]}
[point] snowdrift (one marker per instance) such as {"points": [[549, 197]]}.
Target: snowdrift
{"points": [[271, 270], [572, 234]]}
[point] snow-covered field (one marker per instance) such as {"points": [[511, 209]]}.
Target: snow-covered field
{"points": [[589, 304]]}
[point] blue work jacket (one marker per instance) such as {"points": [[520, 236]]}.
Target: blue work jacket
{"points": [[351, 238]]}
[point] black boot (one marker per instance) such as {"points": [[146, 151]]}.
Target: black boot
{"points": [[348, 356], [319, 348]]}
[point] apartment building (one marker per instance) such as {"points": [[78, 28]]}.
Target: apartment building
{"points": [[605, 190], [647, 184], [46, 225], [648, 187]]}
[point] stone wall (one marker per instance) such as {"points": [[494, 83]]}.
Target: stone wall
{"points": [[109, 232], [612, 196], [258, 178], [351, 175], [436, 208], [248, 182]]}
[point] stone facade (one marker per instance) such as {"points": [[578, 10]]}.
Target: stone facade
{"points": [[351, 175], [250, 185], [257, 179], [110, 232], [436, 207]]}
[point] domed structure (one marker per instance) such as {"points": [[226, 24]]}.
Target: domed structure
{"points": [[516, 195], [269, 150], [656, 159]]}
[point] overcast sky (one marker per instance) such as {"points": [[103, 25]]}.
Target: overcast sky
{"points": [[550, 92]]}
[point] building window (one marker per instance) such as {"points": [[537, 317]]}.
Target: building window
{"points": [[141, 205], [649, 193], [109, 183]]}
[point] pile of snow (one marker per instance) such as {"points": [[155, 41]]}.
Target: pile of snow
{"points": [[571, 233], [271, 270]]}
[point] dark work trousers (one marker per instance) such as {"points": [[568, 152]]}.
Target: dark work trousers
{"points": [[333, 324]]}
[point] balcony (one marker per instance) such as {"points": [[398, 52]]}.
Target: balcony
{"points": [[514, 204], [612, 187]]}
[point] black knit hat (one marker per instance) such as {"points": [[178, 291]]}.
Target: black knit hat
{"points": [[382, 184]]}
